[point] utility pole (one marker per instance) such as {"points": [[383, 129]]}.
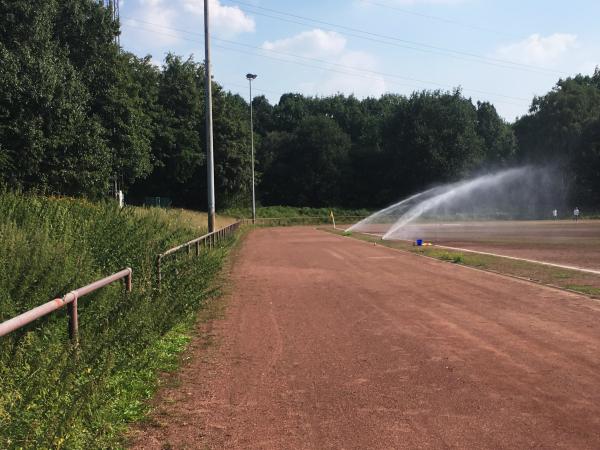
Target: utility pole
{"points": [[251, 77], [113, 7], [209, 127], [116, 14]]}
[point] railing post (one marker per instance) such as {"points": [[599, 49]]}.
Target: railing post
{"points": [[197, 248], [158, 271], [129, 286], [73, 322]]}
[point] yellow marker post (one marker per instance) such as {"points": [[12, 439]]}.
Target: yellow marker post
{"points": [[332, 218]]}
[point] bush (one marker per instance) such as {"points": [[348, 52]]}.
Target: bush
{"points": [[52, 396]]}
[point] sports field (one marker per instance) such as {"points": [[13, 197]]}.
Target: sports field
{"points": [[561, 242]]}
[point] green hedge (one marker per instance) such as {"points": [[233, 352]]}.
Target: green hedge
{"points": [[51, 395]]}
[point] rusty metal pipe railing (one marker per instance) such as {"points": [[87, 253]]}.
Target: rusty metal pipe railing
{"points": [[209, 240], [69, 300]]}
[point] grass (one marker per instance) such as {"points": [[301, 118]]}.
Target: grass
{"points": [[456, 258], [53, 396], [572, 280], [593, 291], [187, 218]]}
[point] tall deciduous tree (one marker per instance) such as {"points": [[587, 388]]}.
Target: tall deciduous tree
{"points": [[49, 141], [499, 143], [431, 138], [310, 165]]}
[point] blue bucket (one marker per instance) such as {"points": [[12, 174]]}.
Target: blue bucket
{"points": [[419, 242]]}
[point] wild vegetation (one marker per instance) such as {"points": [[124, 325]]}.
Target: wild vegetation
{"points": [[77, 113], [56, 397]]}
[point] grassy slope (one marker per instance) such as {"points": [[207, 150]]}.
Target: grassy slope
{"points": [[52, 396], [566, 279], [193, 220]]}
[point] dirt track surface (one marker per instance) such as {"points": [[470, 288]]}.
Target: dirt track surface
{"points": [[329, 342], [561, 242]]}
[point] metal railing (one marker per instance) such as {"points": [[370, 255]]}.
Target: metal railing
{"points": [[208, 240], [69, 300]]}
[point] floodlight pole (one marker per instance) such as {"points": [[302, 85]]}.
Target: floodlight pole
{"points": [[209, 128], [251, 77]]}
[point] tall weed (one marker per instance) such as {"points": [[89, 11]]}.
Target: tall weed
{"points": [[51, 395]]}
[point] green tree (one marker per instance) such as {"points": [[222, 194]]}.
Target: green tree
{"points": [[49, 142], [178, 139], [554, 126], [499, 143], [311, 168], [586, 166], [233, 160], [431, 138], [113, 79]]}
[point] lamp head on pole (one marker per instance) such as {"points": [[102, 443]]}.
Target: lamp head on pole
{"points": [[251, 76]]}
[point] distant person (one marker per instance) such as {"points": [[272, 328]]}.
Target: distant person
{"points": [[555, 214], [576, 214]]}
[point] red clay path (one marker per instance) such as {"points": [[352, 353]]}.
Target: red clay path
{"points": [[329, 342]]}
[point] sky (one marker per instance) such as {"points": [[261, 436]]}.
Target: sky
{"points": [[501, 51]]}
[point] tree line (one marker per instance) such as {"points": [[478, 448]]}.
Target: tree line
{"points": [[77, 113]]}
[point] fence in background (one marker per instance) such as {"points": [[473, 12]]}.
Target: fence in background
{"points": [[209, 240], [304, 220], [69, 300]]}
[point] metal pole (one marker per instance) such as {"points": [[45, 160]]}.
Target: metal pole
{"points": [[252, 146], [209, 128], [158, 271], [73, 323]]}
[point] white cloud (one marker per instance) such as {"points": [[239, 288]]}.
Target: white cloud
{"points": [[362, 85], [537, 49], [155, 15], [313, 44], [346, 75], [226, 20]]}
